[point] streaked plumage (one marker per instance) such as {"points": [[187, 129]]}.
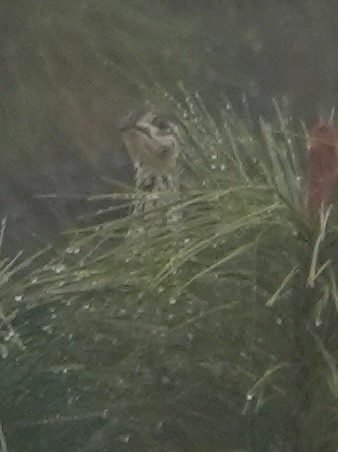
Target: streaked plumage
{"points": [[151, 139]]}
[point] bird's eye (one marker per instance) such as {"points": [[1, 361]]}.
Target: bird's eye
{"points": [[162, 124]]}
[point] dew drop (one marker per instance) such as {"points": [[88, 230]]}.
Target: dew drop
{"points": [[119, 381], [9, 336], [71, 250], [59, 268], [125, 438], [47, 329], [3, 351], [159, 425], [190, 336]]}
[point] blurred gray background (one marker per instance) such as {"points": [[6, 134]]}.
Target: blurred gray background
{"points": [[70, 70]]}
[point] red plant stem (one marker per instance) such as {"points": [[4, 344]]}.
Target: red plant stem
{"points": [[322, 168]]}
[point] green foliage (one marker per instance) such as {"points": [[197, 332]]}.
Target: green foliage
{"points": [[10, 288], [214, 332]]}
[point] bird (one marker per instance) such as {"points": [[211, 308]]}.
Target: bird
{"points": [[151, 138]]}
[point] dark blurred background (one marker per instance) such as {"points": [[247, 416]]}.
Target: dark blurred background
{"points": [[70, 70]]}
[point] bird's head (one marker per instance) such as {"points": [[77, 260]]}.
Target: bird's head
{"points": [[151, 139]]}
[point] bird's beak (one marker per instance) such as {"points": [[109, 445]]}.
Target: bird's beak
{"points": [[126, 127], [142, 129]]}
